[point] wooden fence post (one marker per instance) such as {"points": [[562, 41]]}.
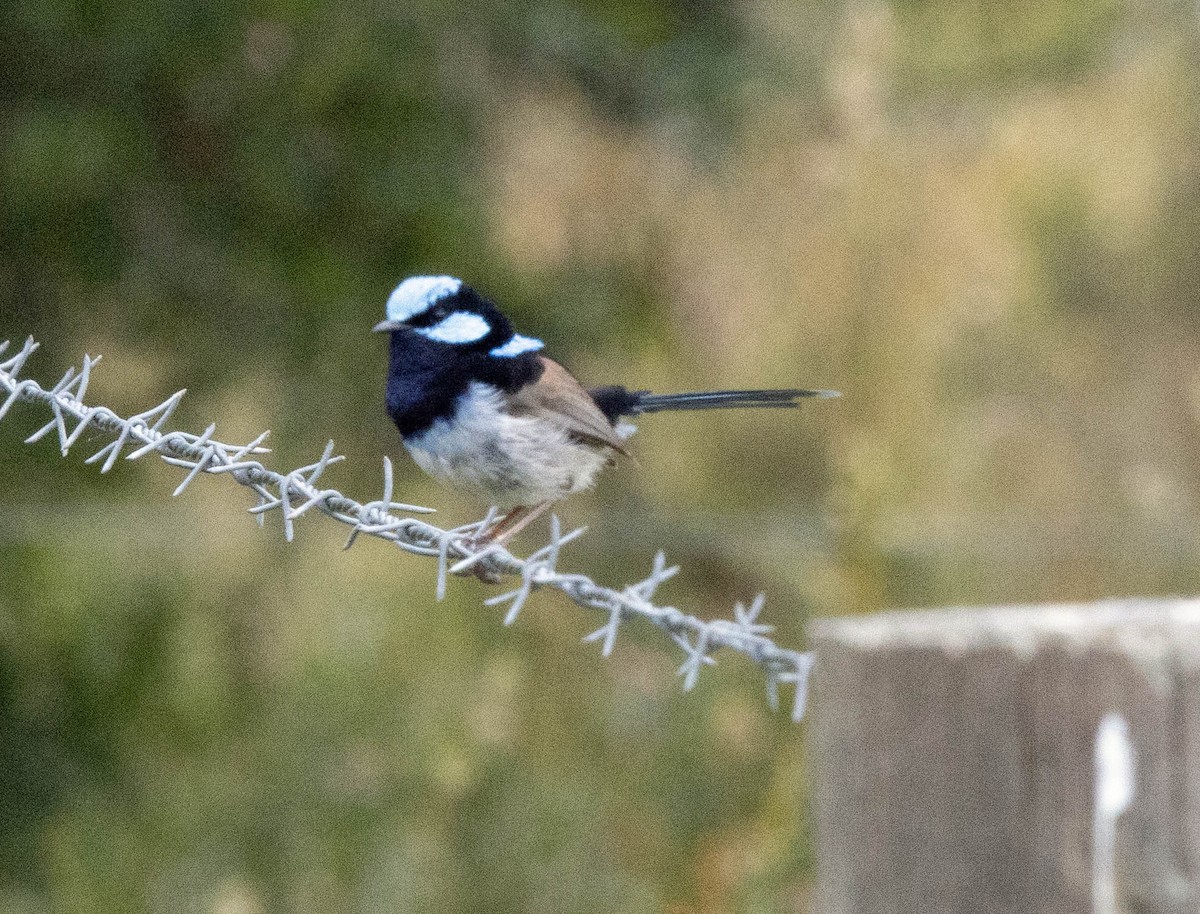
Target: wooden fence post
{"points": [[953, 758]]}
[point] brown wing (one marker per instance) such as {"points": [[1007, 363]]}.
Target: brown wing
{"points": [[557, 396]]}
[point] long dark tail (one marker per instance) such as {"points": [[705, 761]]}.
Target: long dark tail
{"points": [[615, 402]]}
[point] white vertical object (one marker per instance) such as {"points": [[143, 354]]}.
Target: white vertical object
{"points": [[1112, 794]]}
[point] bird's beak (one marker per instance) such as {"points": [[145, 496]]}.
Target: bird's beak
{"points": [[387, 326]]}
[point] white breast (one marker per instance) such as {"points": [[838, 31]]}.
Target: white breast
{"points": [[506, 460]]}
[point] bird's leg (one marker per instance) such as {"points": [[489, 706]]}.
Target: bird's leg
{"points": [[513, 526], [502, 531], [488, 536]]}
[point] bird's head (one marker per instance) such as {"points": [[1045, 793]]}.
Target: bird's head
{"points": [[444, 309]]}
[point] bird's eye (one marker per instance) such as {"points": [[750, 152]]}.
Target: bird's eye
{"points": [[432, 315]]}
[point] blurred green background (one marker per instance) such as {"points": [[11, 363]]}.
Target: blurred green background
{"points": [[979, 220]]}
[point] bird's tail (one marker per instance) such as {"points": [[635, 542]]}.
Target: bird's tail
{"points": [[617, 401]]}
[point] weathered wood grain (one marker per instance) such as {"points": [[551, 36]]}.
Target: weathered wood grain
{"points": [[953, 757]]}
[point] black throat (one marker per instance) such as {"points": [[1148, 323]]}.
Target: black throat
{"points": [[426, 377]]}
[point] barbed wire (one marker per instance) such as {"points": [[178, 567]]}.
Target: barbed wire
{"points": [[296, 493]]}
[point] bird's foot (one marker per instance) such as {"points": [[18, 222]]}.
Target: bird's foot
{"points": [[478, 544], [486, 575], [498, 534]]}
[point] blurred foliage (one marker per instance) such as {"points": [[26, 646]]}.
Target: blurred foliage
{"points": [[981, 221]]}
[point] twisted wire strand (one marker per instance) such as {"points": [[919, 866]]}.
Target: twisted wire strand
{"points": [[297, 493]]}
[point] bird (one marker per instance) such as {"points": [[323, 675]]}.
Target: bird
{"points": [[481, 408]]}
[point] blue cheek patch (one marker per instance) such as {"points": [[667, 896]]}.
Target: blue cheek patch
{"points": [[518, 345], [458, 328]]}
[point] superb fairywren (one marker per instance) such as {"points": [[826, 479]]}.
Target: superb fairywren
{"points": [[479, 407]]}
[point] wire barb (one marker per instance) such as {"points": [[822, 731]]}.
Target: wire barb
{"points": [[456, 550]]}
